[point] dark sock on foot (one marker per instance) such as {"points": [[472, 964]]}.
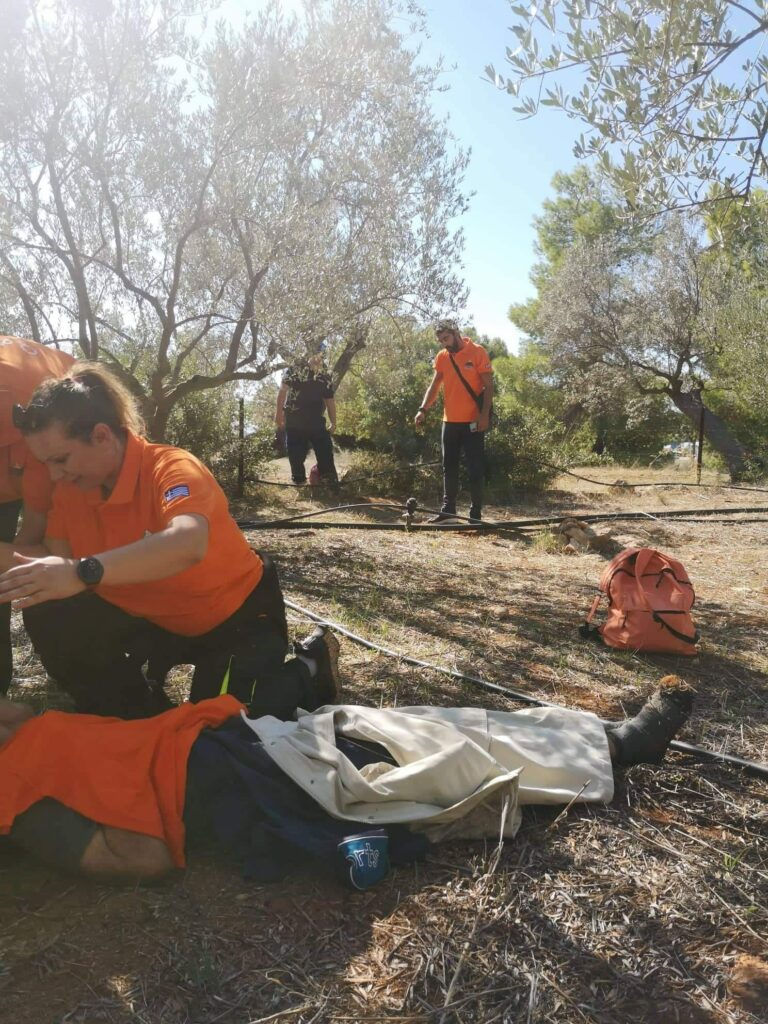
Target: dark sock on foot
{"points": [[644, 739]]}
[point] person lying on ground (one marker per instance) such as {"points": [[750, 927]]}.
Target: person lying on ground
{"points": [[142, 564], [135, 795]]}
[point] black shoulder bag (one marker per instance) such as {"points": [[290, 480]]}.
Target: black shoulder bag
{"points": [[478, 398]]}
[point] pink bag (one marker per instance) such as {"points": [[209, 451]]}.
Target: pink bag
{"points": [[649, 604]]}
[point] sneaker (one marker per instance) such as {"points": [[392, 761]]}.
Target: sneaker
{"points": [[322, 646], [444, 517]]}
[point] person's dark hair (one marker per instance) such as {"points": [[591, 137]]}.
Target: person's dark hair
{"points": [[444, 326], [87, 395]]}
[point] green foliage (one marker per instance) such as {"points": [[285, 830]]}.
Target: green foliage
{"points": [[674, 96], [522, 452], [526, 381], [198, 204], [206, 424], [385, 475], [738, 231], [752, 423], [629, 319], [382, 392], [585, 208], [380, 395]]}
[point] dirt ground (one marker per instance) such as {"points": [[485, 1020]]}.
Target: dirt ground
{"points": [[653, 909]]}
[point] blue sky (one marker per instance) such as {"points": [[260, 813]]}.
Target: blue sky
{"points": [[512, 161]]}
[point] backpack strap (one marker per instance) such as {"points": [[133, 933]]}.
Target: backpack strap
{"points": [[676, 632], [642, 561], [586, 631], [478, 398], [594, 607]]}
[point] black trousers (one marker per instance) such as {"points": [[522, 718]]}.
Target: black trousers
{"points": [[97, 652], [455, 437], [9, 520], [298, 441]]}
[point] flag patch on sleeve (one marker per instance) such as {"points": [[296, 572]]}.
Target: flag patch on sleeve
{"points": [[179, 491]]}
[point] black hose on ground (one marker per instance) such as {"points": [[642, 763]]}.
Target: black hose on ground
{"points": [[702, 753], [626, 484], [623, 484], [409, 508], [489, 526]]}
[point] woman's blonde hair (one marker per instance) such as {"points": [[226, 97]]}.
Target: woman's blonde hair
{"points": [[87, 395]]}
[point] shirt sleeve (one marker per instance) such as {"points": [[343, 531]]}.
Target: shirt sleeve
{"points": [[36, 485], [183, 486], [56, 525], [484, 364], [327, 383]]}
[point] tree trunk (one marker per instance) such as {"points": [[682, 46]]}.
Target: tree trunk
{"points": [[354, 344], [716, 431], [157, 422]]}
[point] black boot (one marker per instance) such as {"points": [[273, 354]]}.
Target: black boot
{"points": [[322, 647], [644, 739]]}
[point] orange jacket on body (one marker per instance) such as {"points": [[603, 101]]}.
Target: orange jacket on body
{"points": [[156, 483], [129, 775]]}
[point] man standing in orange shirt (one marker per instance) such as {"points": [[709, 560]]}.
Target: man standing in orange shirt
{"points": [[463, 370], [23, 480]]}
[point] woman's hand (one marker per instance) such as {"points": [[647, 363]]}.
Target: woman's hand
{"points": [[31, 581]]}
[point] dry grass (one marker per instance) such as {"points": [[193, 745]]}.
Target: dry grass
{"points": [[646, 911]]}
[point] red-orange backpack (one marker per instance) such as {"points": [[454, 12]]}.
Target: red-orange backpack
{"points": [[649, 604]]}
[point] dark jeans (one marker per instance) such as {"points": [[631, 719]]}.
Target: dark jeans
{"points": [[455, 437], [298, 441], [9, 519], [95, 651]]}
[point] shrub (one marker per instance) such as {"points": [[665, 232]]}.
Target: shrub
{"points": [[522, 453], [206, 424], [384, 475]]}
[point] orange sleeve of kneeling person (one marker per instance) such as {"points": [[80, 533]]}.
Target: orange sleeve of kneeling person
{"points": [[36, 485]]}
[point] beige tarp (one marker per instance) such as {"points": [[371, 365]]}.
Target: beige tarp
{"points": [[457, 767]]}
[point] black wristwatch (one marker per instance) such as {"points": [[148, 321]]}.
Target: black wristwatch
{"points": [[89, 571]]}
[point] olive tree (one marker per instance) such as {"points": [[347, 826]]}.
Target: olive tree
{"points": [[197, 203], [646, 323], [673, 93]]}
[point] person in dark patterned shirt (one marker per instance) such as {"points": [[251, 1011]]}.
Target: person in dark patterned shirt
{"points": [[305, 396]]}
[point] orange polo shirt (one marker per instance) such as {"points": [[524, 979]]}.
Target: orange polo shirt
{"points": [[155, 484], [129, 775], [23, 366], [472, 360]]}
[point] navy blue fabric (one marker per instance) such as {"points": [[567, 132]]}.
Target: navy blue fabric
{"points": [[240, 801], [456, 436], [9, 520]]}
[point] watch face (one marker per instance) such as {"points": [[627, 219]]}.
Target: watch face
{"points": [[90, 571]]}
